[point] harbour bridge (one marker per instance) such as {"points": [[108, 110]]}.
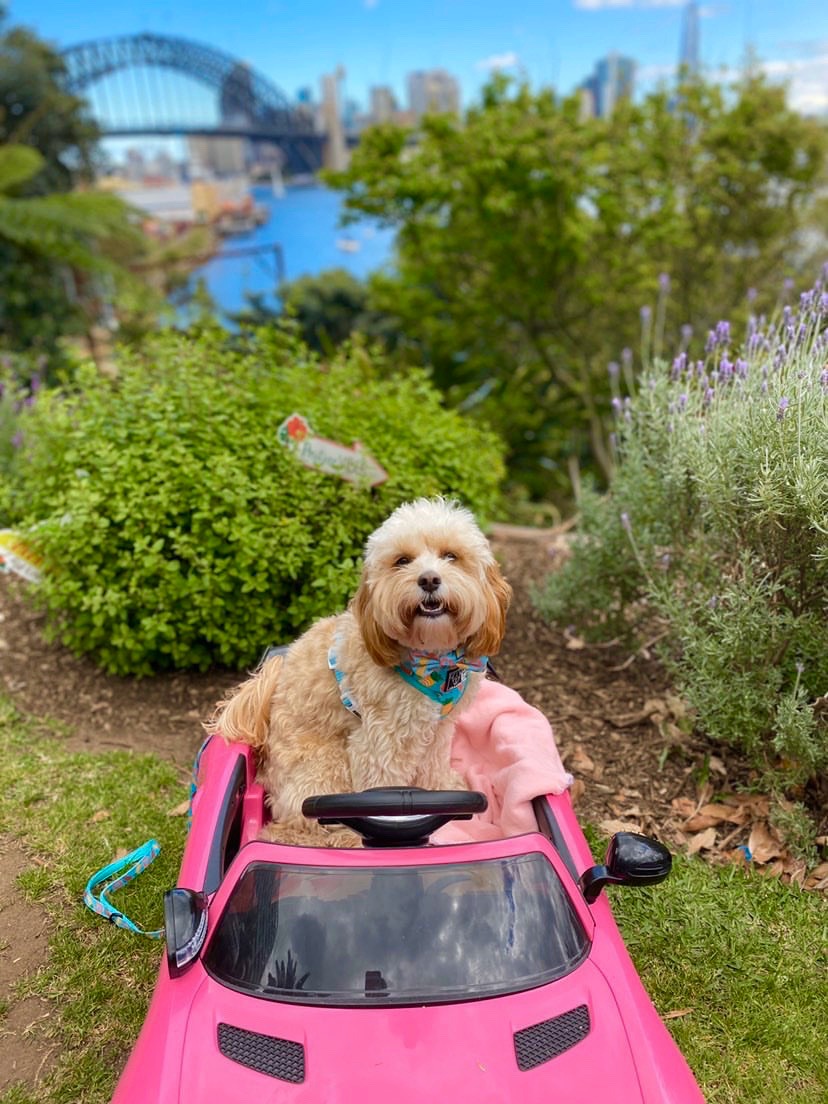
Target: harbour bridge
{"points": [[149, 84]]}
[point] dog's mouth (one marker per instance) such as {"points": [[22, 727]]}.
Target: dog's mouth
{"points": [[431, 607]]}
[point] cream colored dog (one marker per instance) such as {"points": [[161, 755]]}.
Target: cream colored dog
{"points": [[369, 698]]}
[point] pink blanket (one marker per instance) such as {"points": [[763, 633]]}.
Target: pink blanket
{"points": [[504, 748]]}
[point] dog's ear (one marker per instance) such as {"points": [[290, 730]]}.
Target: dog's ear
{"points": [[486, 641], [379, 646]]}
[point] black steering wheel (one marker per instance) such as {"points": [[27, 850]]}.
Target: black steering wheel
{"points": [[395, 816]]}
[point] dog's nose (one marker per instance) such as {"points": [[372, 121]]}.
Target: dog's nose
{"points": [[429, 581]]}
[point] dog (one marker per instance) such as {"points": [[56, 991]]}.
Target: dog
{"points": [[369, 697]]}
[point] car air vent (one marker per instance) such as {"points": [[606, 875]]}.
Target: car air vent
{"points": [[544, 1041], [276, 1057]]}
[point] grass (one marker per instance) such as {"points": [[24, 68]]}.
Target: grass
{"points": [[73, 812], [748, 956], [745, 954]]}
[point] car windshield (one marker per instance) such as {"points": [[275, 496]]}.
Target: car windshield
{"points": [[396, 935]]}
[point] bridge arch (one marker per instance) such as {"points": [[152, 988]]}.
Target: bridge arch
{"points": [[251, 106], [90, 62]]}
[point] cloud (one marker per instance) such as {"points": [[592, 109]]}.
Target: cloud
{"points": [[805, 77], [601, 5], [508, 60]]}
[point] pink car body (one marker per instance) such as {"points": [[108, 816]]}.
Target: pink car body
{"points": [[589, 1034]]}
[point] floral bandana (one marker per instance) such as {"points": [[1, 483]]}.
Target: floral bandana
{"points": [[441, 676]]}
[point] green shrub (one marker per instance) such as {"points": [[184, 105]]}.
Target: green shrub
{"points": [[716, 524], [178, 532]]}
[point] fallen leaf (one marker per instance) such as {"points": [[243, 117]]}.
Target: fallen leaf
{"points": [[676, 705], [677, 1013], [715, 813], [715, 764], [683, 806], [613, 826], [580, 761], [763, 843], [574, 643], [102, 814], [700, 823], [702, 842], [576, 791], [180, 810]]}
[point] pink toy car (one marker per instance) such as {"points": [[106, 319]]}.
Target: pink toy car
{"points": [[398, 972]]}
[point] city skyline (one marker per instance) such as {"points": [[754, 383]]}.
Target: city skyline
{"points": [[548, 42]]}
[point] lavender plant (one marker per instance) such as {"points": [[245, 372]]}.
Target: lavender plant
{"points": [[716, 525]]}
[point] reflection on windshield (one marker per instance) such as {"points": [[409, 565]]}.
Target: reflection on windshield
{"points": [[408, 934]]}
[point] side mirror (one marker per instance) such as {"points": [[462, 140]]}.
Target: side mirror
{"points": [[185, 927], [631, 860]]}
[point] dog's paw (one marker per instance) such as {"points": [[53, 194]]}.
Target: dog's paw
{"points": [[309, 835]]}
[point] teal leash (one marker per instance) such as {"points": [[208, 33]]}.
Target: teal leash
{"points": [[115, 875], [122, 871]]}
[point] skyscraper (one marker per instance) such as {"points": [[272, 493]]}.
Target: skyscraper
{"points": [[433, 91], [612, 80], [689, 49]]}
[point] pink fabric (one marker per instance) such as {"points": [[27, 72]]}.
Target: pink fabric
{"points": [[505, 748]]}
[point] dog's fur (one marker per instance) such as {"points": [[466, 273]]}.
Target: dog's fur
{"points": [[291, 709]]}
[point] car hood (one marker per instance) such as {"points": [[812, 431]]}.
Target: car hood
{"points": [[568, 1038]]}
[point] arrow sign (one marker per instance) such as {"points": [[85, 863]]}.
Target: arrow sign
{"points": [[17, 557], [349, 463]]}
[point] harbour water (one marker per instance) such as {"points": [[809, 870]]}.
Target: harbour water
{"points": [[304, 223]]}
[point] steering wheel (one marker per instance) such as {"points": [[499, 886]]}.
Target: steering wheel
{"points": [[395, 816]]}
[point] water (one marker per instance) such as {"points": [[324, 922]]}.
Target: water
{"points": [[304, 222]]}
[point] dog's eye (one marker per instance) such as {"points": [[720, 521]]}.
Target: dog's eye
{"points": [[449, 556], [401, 561]]}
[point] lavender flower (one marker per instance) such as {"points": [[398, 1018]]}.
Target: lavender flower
{"points": [[686, 332], [679, 364], [682, 400], [613, 369], [625, 522], [751, 294], [646, 314], [709, 395], [626, 357], [664, 282], [713, 601], [823, 379], [723, 332], [780, 410], [616, 404]]}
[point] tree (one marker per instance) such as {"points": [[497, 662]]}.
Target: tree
{"points": [[58, 251], [327, 308], [529, 239], [36, 110], [52, 249]]}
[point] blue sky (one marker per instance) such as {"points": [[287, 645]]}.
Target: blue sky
{"points": [[292, 42]]}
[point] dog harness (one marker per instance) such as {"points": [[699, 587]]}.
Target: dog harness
{"points": [[441, 676], [348, 699]]}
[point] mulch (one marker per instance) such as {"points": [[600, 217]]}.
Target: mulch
{"points": [[621, 729]]}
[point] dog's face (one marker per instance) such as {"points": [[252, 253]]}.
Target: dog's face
{"points": [[430, 582]]}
